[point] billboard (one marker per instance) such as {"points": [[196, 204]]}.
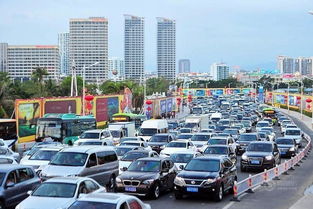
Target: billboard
{"points": [[62, 105]]}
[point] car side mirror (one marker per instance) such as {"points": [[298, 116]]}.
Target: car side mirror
{"points": [[136, 134], [29, 192], [124, 169], [182, 167], [165, 170], [10, 184]]}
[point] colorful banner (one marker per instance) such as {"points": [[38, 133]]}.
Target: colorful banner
{"points": [[163, 106], [169, 105]]}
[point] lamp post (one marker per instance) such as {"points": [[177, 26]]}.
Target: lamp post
{"points": [[84, 92], [288, 99]]}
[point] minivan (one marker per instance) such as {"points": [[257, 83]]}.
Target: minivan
{"points": [[151, 127], [97, 162]]}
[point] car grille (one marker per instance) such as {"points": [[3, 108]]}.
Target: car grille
{"points": [[193, 182], [131, 183], [251, 159], [283, 149]]}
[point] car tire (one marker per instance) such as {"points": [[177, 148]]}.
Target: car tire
{"points": [[218, 196], [242, 169], [112, 184], [178, 195], [155, 193]]}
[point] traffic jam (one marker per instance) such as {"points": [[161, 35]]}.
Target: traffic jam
{"points": [[216, 143]]}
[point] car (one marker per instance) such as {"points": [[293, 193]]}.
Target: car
{"points": [[270, 132], [284, 124], [214, 150], [262, 124], [38, 146], [144, 145], [287, 147], [207, 130], [147, 177], [173, 124], [263, 135], [159, 141], [294, 133], [15, 181], [208, 174], [131, 138], [60, 192], [96, 142], [200, 139], [220, 129], [260, 155], [270, 120], [218, 140], [133, 155], [7, 160], [100, 134], [5, 151], [109, 201], [240, 128], [244, 141], [178, 145], [183, 157], [184, 136], [248, 125], [233, 132]]}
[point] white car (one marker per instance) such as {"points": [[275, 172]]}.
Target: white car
{"points": [[175, 146], [272, 135], [294, 133], [60, 192], [137, 144], [285, 125], [262, 124], [7, 160], [109, 200], [200, 139], [102, 134], [181, 158], [5, 151], [95, 142]]}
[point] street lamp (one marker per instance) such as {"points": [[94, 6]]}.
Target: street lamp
{"points": [[312, 95], [84, 72]]}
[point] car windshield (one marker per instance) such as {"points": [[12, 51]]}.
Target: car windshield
{"points": [[202, 138], [6, 161], [33, 150], [220, 128], [267, 129], [93, 205], [173, 124], [128, 139], [181, 157], [145, 166], [131, 144], [258, 147], [3, 151], [131, 156], [147, 131], [217, 141], [120, 151], [231, 131], [284, 141], [262, 135], [196, 110], [55, 189], [116, 133], [184, 136], [185, 130], [247, 137], [44, 155], [190, 125], [293, 132], [69, 159], [88, 135], [177, 144], [91, 143], [216, 150], [262, 125], [204, 165], [158, 138]]}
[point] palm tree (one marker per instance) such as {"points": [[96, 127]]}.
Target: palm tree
{"points": [[38, 76], [5, 101]]}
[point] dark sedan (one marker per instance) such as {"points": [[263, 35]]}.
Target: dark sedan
{"points": [[147, 176], [260, 155], [207, 174], [158, 141], [221, 150], [287, 147], [244, 141]]}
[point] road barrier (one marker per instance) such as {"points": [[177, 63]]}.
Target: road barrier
{"points": [[247, 185]]}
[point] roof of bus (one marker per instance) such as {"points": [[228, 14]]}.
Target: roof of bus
{"points": [[128, 114], [67, 116], [5, 120]]}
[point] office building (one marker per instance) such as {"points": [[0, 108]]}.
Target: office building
{"points": [[184, 66], [64, 51], [166, 48], [285, 65], [89, 45], [3, 57], [303, 65], [22, 60], [116, 69], [134, 47], [219, 71]]}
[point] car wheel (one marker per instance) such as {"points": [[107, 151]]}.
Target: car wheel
{"points": [[178, 196], [156, 191], [112, 184], [242, 169], [218, 196]]}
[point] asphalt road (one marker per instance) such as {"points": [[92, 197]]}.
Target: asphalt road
{"points": [[168, 201]]}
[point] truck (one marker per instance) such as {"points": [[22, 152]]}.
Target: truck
{"points": [[197, 122], [122, 129], [216, 117]]}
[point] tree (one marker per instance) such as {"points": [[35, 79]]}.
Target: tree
{"points": [[65, 86], [157, 85], [5, 100], [38, 76]]}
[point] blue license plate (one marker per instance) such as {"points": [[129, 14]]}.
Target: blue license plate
{"points": [[283, 152], [130, 189], [192, 189], [255, 162]]}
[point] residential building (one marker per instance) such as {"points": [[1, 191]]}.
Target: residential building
{"points": [[116, 69], [184, 66], [3, 57], [219, 71], [64, 51], [285, 65], [89, 45], [303, 65], [166, 48], [134, 47]]}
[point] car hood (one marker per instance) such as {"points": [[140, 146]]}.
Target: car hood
{"points": [[156, 144], [34, 202], [258, 154], [54, 170], [141, 176], [197, 174]]}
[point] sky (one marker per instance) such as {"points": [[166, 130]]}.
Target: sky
{"points": [[245, 33]]}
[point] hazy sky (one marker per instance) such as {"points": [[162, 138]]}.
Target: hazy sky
{"points": [[247, 33]]}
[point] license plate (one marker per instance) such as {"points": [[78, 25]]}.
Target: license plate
{"points": [[192, 189], [283, 152], [130, 189], [255, 162]]}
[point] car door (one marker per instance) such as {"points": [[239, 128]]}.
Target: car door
{"points": [[276, 153], [11, 189], [91, 168], [164, 175]]}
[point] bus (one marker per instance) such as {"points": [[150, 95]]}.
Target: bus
{"points": [[129, 117], [8, 132], [65, 128], [270, 113]]}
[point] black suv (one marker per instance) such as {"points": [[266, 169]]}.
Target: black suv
{"points": [[207, 174], [287, 147], [159, 141], [244, 140], [262, 155], [217, 150], [147, 176]]}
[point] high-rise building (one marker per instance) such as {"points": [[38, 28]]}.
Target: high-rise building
{"points": [[134, 47], [64, 51], [166, 48], [219, 71], [3, 57], [184, 66], [116, 69], [304, 65], [22, 60], [89, 45], [285, 65]]}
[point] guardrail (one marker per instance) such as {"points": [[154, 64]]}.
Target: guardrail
{"points": [[247, 185]]}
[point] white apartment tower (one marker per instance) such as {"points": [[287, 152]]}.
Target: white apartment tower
{"points": [[89, 45], [219, 71], [64, 51], [134, 47], [285, 65], [116, 65], [3, 57], [166, 48]]}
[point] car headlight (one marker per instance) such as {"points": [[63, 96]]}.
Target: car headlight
{"points": [[148, 181], [179, 181], [244, 157], [269, 157], [210, 181], [292, 149], [118, 180], [162, 147]]}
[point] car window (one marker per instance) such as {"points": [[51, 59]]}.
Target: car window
{"points": [[92, 160], [12, 178], [124, 206], [228, 163], [91, 186], [134, 204], [164, 165], [24, 174]]}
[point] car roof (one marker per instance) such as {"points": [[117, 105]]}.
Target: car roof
{"points": [[181, 140], [249, 134], [214, 157], [261, 142], [94, 131], [141, 150], [113, 198], [87, 149], [68, 179], [186, 152], [218, 145], [8, 167], [56, 148], [162, 134], [152, 158], [293, 129]]}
